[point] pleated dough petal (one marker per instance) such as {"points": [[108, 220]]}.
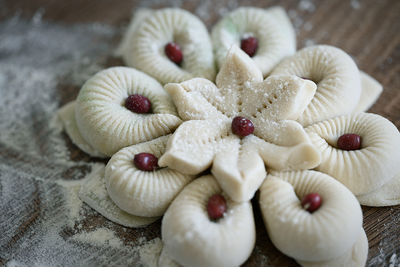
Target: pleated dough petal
{"points": [[355, 257], [94, 193], [371, 89], [145, 49], [105, 123], [238, 169], [197, 99], [67, 116], [387, 195], [137, 17], [364, 170], [320, 236], [191, 149], [192, 239], [337, 78], [275, 34], [142, 193]]}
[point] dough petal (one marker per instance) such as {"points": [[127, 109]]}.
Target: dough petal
{"points": [[94, 193], [371, 89], [238, 169], [284, 132], [142, 193], [238, 68], [320, 236], [296, 157], [272, 28], [355, 257], [364, 170], [148, 39], [67, 116], [278, 97], [192, 147], [337, 77], [197, 99], [387, 195], [107, 125], [192, 239]]}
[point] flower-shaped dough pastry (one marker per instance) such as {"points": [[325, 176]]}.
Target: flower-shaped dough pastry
{"points": [[337, 78], [206, 138], [139, 192], [362, 170], [170, 44], [266, 35], [327, 234], [104, 122], [192, 239]]}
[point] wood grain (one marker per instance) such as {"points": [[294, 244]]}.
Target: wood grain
{"points": [[369, 32]]}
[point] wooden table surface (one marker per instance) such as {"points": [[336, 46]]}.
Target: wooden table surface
{"points": [[367, 30]]}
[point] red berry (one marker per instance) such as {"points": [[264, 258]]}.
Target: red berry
{"points": [[174, 52], [216, 207], [311, 202], [249, 45], [349, 142], [146, 162], [242, 126], [138, 104]]}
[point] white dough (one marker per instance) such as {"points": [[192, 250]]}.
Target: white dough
{"points": [[206, 138], [387, 195], [192, 239], [165, 261], [337, 78], [272, 28], [354, 257], [94, 193], [323, 235], [143, 46], [67, 116], [104, 122], [371, 89], [142, 193], [365, 170]]}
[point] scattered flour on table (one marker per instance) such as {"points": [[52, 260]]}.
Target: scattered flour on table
{"points": [[42, 220], [100, 236]]}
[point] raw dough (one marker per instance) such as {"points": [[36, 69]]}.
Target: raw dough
{"points": [[67, 116], [192, 239], [272, 28], [142, 193], [94, 193], [371, 89], [206, 138], [105, 123], [320, 236], [354, 257], [150, 31], [337, 78], [387, 195], [365, 170]]}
